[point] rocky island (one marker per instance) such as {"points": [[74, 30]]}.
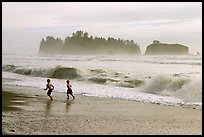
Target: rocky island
{"points": [[81, 43], [157, 48]]}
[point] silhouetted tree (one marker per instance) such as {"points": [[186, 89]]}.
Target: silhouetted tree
{"points": [[80, 43]]}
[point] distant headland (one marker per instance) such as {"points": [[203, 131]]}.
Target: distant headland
{"points": [[81, 43]]}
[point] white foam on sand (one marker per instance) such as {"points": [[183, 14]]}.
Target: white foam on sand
{"points": [[97, 90]]}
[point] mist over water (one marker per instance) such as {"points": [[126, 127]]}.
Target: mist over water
{"points": [[169, 80]]}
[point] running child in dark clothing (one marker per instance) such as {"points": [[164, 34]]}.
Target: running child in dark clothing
{"points": [[50, 88], [69, 90]]}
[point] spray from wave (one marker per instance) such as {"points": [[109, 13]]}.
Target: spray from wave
{"points": [[177, 86]]}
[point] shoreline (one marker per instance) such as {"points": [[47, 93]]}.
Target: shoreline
{"points": [[34, 113]]}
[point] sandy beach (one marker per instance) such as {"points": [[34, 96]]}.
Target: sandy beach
{"points": [[28, 111]]}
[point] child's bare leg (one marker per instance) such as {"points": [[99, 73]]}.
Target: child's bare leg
{"points": [[67, 96], [73, 96], [51, 97]]}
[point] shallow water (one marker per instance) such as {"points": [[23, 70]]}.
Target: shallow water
{"points": [[170, 80]]}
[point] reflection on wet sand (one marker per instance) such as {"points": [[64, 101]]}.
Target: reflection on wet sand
{"points": [[52, 106], [13, 101], [68, 104], [48, 107]]}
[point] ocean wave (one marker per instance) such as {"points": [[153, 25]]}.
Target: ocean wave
{"points": [[177, 85], [184, 60], [160, 83], [131, 83], [56, 72], [114, 78], [184, 63], [98, 80], [97, 71], [9, 68], [98, 76], [181, 86]]}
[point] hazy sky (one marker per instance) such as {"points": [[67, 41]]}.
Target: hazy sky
{"points": [[24, 24]]}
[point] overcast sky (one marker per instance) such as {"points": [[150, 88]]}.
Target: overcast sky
{"points": [[24, 24]]}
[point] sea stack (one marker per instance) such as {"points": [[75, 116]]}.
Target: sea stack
{"points": [[157, 48]]}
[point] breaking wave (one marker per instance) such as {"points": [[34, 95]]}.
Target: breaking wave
{"points": [[98, 76], [56, 72], [183, 87], [176, 85]]}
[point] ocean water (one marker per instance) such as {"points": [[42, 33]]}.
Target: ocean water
{"points": [[165, 80]]}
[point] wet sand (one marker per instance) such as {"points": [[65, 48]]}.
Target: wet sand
{"points": [[28, 111]]}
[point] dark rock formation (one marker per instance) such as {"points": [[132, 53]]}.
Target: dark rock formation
{"points": [[157, 48]]}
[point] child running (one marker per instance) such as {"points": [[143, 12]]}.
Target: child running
{"points": [[50, 88], [69, 90]]}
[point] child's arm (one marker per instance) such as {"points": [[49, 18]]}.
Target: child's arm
{"points": [[53, 86], [45, 88]]}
